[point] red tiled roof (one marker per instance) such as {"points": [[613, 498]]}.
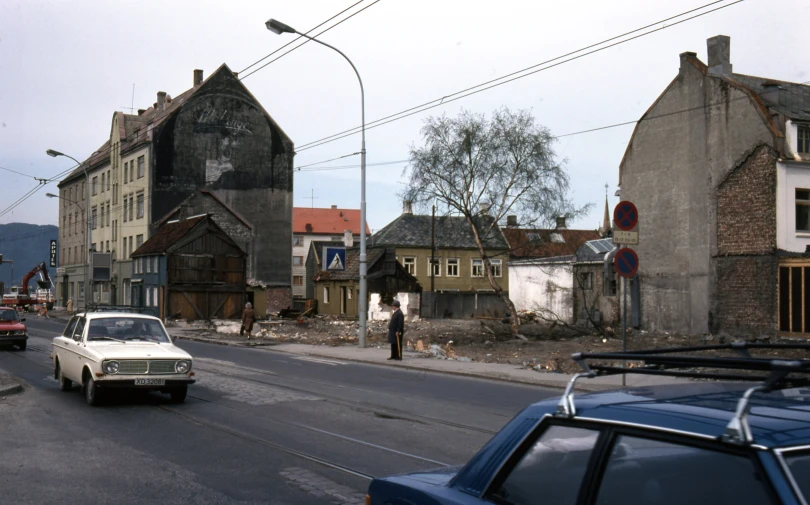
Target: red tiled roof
{"points": [[521, 246], [327, 221]]}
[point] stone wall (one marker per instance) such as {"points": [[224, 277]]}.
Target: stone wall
{"points": [[746, 299], [278, 299]]}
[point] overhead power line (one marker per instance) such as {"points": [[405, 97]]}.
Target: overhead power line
{"points": [[520, 74], [308, 40]]}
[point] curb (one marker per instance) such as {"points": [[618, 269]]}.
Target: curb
{"points": [[10, 389], [581, 386]]}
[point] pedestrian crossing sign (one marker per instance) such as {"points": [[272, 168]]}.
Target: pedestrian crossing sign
{"points": [[334, 259]]}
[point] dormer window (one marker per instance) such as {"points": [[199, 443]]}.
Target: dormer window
{"points": [[533, 236], [557, 238], [803, 135]]}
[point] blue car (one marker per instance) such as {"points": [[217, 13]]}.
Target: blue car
{"points": [[695, 443]]}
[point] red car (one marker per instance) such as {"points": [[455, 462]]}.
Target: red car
{"points": [[12, 328]]}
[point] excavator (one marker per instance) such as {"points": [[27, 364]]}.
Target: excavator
{"points": [[19, 297]]}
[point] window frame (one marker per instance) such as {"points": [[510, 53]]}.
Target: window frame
{"points": [[141, 166], [139, 205], [473, 264], [325, 294], [298, 241], [437, 265], [457, 264], [803, 203], [300, 263], [94, 186], [803, 134], [609, 433], [496, 262], [406, 263]]}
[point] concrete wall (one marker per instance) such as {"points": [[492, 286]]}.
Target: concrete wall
{"points": [[222, 140], [545, 288], [379, 311], [691, 138]]}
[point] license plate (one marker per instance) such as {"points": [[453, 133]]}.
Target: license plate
{"points": [[150, 382]]}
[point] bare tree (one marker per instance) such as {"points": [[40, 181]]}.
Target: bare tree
{"points": [[485, 169]]}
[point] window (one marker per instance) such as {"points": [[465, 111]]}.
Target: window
{"points": [[298, 241], [130, 245], [552, 468], [108, 180], [84, 190], [409, 262], [437, 266], [794, 297], [125, 209], [325, 295], [84, 222], [101, 222], [149, 265], [126, 171], [131, 208], [70, 223], [586, 280], [148, 297], [131, 170], [103, 182], [93, 247], [138, 241], [155, 297], [81, 290], [611, 286], [95, 186], [337, 239], [107, 249], [140, 166], [799, 466], [108, 213], [497, 267], [298, 280], [93, 219], [557, 238], [140, 206], [652, 471], [298, 261], [803, 135], [802, 209], [452, 267], [533, 236], [477, 268]]}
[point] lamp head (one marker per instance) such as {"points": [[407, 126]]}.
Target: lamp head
{"points": [[51, 195], [52, 153], [278, 27]]}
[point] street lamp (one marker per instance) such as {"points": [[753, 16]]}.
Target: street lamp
{"points": [[278, 28], [87, 290]]}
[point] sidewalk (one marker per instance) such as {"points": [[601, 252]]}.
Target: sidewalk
{"points": [[423, 362], [8, 384]]}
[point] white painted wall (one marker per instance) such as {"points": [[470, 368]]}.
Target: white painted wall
{"points": [[543, 287], [378, 311], [790, 176]]}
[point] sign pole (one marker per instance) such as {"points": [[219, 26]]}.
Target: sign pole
{"points": [[624, 327]]}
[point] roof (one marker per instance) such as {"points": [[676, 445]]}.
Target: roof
{"points": [[352, 271], [167, 235], [540, 243], [452, 232], [595, 250], [205, 192], [777, 419], [794, 98], [327, 221]]}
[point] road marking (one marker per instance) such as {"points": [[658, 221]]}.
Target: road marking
{"points": [[320, 360]]}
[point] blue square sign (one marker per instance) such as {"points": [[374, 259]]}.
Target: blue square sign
{"points": [[334, 258]]}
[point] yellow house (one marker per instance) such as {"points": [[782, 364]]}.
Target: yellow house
{"points": [[458, 265]]}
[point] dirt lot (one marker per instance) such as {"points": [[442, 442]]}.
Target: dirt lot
{"points": [[546, 350]]}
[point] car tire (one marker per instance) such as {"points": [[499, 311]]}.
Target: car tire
{"points": [[65, 384], [179, 394], [91, 392], [22, 345]]}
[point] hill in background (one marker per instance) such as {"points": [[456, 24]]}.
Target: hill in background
{"points": [[27, 245]]}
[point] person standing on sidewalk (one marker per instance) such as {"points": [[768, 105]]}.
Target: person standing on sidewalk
{"points": [[70, 307], [247, 319], [396, 329]]}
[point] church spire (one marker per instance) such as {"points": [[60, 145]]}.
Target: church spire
{"points": [[605, 231]]}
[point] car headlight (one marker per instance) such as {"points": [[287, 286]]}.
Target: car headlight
{"points": [[182, 366], [19, 332], [111, 367]]}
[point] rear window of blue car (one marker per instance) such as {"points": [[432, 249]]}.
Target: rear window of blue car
{"points": [[799, 466]]}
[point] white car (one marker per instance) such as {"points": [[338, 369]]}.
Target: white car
{"points": [[103, 351]]}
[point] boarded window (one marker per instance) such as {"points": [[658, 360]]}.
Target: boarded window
{"points": [[794, 298]]}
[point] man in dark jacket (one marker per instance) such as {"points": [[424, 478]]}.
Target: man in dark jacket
{"points": [[396, 329]]}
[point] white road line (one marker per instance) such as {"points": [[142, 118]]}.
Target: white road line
{"points": [[320, 360]]}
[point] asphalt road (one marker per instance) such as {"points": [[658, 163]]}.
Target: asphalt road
{"points": [[258, 427]]}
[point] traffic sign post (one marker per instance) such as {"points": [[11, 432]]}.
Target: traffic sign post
{"points": [[625, 215], [626, 263], [625, 218]]}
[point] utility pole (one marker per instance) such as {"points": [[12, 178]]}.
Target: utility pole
{"points": [[433, 260]]}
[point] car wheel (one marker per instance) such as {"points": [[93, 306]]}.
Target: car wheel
{"points": [[22, 345], [91, 393], [179, 394], [64, 383]]}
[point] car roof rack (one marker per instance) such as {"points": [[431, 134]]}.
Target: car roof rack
{"points": [[771, 374]]}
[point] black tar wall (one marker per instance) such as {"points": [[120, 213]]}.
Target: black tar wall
{"points": [[221, 140]]}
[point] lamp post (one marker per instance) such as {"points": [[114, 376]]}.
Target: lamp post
{"points": [[278, 28], [87, 290]]}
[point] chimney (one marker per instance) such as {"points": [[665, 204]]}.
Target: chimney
{"points": [[161, 102], [719, 48], [198, 77], [309, 227], [141, 111], [770, 92], [483, 208], [511, 221], [685, 57], [561, 223], [348, 238], [407, 207]]}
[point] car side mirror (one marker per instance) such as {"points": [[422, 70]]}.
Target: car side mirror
{"points": [[22, 319]]}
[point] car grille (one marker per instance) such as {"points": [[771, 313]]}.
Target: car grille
{"points": [[143, 367]]}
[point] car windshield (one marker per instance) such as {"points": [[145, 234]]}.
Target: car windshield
{"points": [[800, 468], [126, 328], [8, 315]]}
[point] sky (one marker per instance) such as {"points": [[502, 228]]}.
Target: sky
{"points": [[67, 65]]}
